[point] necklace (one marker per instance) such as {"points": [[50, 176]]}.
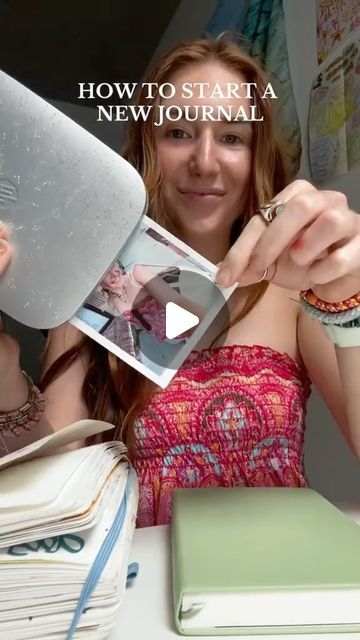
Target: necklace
{"points": [[121, 294], [118, 294]]}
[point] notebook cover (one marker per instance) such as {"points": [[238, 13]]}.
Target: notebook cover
{"points": [[227, 540], [71, 433]]}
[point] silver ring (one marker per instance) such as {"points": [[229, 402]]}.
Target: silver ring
{"points": [[263, 277], [270, 210]]}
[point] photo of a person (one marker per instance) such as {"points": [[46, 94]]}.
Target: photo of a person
{"points": [[127, 310], [140, 296], [121, 333]]}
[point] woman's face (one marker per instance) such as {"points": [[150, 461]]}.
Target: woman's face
{"points": [[113, 279], [205, 164]]}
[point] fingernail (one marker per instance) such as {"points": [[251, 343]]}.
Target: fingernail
{"points": [[224, 277]]}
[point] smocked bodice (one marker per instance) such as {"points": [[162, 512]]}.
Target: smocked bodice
{"points": [[231, 416]]}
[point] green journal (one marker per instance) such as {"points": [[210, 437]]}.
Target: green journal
{"points": [[263, 561]]}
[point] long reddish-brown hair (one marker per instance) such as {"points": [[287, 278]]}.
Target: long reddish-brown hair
{"points": [[112, 390]]}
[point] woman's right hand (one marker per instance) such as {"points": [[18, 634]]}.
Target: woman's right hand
{"points": [[9, 348], [5, 249]]}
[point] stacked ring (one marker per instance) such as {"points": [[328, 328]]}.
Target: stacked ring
{"points": [[270, 210]]}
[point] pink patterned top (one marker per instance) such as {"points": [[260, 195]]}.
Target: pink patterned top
{"points": [[152, 317], [231, 416]]}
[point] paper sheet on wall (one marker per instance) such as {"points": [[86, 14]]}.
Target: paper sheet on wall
{"points": [[334, 121], [336, 20]]}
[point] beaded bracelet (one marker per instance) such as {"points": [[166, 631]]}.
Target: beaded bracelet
{"points": [[14, 423], [330, 307], [327, 317], [352, 324]]}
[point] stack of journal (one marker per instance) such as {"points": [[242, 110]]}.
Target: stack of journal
{"points": [[66, 525], [263, 560]]}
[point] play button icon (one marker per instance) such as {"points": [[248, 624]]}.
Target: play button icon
{"points": [[178, 320], [164, 330]]}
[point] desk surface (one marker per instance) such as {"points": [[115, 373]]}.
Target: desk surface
{"points": [[147, 611]]}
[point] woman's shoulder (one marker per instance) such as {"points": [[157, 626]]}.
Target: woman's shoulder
{"points": [[59, 340], [283, 300], [272, 322], [65, 336]]}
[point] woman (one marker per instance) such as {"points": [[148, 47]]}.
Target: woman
{"points": [[235, 414], [141, 295]]}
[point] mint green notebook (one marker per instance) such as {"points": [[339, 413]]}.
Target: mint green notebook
{"points": [[263, 561]]}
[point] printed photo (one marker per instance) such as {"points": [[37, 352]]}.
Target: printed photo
{"points": [[129, 311]]}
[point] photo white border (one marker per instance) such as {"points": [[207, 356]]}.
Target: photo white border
{"points": [[163, 379]]}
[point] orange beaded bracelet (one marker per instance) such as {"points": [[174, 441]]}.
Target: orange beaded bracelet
{"points": [[330, 307]]}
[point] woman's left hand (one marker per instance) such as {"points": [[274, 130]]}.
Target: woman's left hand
{"points": [[313, 243]]}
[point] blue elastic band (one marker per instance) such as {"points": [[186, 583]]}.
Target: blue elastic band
{"points": [[102, 556], [133, 570]]}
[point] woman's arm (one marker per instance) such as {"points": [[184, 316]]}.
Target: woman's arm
{"points": [[162, 291], [313, 243], [64, 402], [63, 399], [335, 372], [13, 386], [349, 367]]}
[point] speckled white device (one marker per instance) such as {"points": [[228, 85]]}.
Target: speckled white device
{"points": [[71, 204]]}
